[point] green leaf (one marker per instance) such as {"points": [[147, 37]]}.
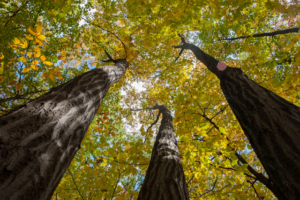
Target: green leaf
{"points": [[181, 98], [276, 83], [217, 159], [249, 146], [222, 130], [204, 125], [196, 117]]}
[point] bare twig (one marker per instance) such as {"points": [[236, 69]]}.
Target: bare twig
{"points": [[75, 184], [110, 33], [180, 46], [17, 97], [280, 32]]}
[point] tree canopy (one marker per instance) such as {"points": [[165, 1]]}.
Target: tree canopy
{"points": [[46, 43]]}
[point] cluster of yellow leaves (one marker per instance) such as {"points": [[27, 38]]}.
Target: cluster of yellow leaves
{"points": [[36, 50]]}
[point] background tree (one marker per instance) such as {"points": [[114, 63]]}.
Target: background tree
{"points": [[165, 177]]}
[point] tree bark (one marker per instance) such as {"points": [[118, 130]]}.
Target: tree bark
{"points": [[271, 124], [39, 139], [165, 177]]}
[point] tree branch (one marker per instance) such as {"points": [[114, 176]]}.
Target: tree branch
{"points": [[110, 33], [19, 97], [280, 32], [180, 46], [258, 176], [155, 107], [75, 184]]}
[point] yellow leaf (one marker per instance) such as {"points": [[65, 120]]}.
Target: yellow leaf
{"points": [[18, 86], [1, 78], [29, 54], [12, 82], [45, 75], [39, 28], [35, 62], [52, 77], [31, 30], [37, 54], [61, 57], [29, 37], [43, 58], [26, 69], [20, 59], [13, 46], [35, 67], [63, 52], [51, 71], [25, 44], [2, 56], [47, 63], [16, 41], [1, 70], [38, 42], [36, 49], [77, 45], [41, 37]]}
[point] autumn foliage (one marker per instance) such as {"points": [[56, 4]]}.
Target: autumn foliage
{"points": [[46, 43]]}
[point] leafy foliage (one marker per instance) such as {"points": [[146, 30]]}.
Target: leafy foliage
{"points": [[46, 43]]}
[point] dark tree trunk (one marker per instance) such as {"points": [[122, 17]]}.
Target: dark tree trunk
{"points": [[39, 139], [165, 178], [271, 124]]}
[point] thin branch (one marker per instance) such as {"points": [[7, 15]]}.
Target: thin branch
{"points": [[180, 46], [259, 176], [252, 185], [222, 110], [15, 13], [75, 184], [140, 109], [280, 32], [154, 121], [110, 33], [18, 97], [112, 196]]}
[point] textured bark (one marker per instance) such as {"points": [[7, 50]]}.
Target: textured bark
{"points": [[271, 124], [165, 178], [39, 139]]}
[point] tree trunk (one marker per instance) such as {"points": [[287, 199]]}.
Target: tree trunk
{"points": [[271, 124], [39, 139], [165, 177]]}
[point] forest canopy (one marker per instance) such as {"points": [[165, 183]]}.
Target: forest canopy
{"points": [[44, 44]]}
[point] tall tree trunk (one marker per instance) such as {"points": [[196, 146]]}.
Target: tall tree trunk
{"points": [[271, 123], [165, 177], [39, 139]]}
